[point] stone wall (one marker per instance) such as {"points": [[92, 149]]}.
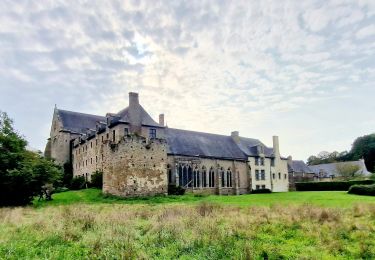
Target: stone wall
{"points": [[240, 178], [135, 167], [132, 165]]}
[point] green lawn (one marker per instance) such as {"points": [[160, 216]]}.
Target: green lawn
{"points": [[295, 225], [320, 198]]}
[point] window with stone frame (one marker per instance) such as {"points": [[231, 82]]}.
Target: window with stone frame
{"points": [[211, 181], [222, 172], [229, 178], [272, 161], [263, 175], [257, 187], [279, 176], [196, 178], [273, 176], [263, 186], [257, 175], [204, 177], [262, 161], [152, 133], [256, 160], [126, 131]]}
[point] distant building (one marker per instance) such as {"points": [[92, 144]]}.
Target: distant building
{"points": [[328, 171], [139, 156], [298, 172]]}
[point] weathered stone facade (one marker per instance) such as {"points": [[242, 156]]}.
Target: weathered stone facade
{"points": [[140, 157]]}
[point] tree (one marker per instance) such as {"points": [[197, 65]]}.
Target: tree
{"points": [[22, 173], [364, 147], [347, 170]]}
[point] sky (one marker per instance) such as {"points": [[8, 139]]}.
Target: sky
{"points": [[302, 70]]}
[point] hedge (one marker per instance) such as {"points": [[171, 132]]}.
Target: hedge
{"points": [[261, 191], [362, 190], [330, 185]]}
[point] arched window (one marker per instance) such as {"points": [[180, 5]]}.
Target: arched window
{"points": [[189, 177], [180, 175], [211, 181], [196, 178], [204, 177], [222, 172], [169, 171], [229, 178]]}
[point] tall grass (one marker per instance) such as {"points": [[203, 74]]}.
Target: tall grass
{"points": [[199, 231]]}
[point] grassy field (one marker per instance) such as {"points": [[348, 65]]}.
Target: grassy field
{"points": [[295, 225]]}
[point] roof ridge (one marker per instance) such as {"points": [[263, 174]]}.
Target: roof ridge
{"points": [[79, 113], [193, 131]]}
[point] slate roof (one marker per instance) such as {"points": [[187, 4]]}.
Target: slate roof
{"points": [[180, 142], [298, 166], [329, 169], [146, 118], [191, 143], [249, 147], [78, 122]]}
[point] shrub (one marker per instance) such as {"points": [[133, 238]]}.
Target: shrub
{"points": [[175, 190], [261, 191], [362, 190], [97, 180], [78, 183], [329, 185]]}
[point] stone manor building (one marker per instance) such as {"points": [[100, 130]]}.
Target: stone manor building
{"points": [[139, 156]]}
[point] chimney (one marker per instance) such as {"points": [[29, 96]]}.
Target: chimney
{"points": [[290, 159], [133, 99], [135, 113], [276, 146], [161, 119], [235, 136]]}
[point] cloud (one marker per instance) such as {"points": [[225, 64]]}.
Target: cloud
{"points": [[366, 32], [211, 66]]}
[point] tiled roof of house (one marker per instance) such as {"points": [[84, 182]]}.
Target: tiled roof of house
{"points": [[330, 169], [146, 118], [180, 142], [298, 166], [191, 143], [78, 122]]}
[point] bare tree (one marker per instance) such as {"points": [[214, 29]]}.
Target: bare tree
{"points": [[347, 171]]}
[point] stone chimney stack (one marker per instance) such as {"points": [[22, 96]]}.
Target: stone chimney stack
{"points": [[276, 149], [235, 136], [161, 119], [290, 159], [135, 113]]}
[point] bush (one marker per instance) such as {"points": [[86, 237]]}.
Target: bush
{"points": [[261, 191], [362, 190], [175, 190], [97, 180], [330, 185], [78, 183]]}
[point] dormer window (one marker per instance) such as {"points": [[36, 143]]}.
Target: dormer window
{"points": [[152, 134]]}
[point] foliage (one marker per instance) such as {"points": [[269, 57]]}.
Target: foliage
{"points": [[261, 191], [97, 180], [78, 183], [362, 190], [190, 231], [363, 147], [329, 185], [68, 174], [347, 171], [22, 173], [175, 190]]}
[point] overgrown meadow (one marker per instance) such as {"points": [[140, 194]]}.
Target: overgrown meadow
{"points": [[203, 229]]}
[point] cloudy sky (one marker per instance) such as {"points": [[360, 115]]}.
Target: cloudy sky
{"points": [[302, 70]]}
